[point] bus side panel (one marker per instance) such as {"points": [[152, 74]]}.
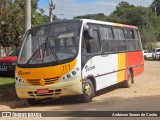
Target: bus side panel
{"points": [[103, 68], [135, 60], [121, 67], [140, 65]]}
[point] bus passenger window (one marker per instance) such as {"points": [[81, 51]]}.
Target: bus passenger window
{"points": [[139, 46], [108, 43], [120, 39], [131, 40], [93, 45]]}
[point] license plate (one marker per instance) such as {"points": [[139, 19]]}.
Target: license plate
{"points": [[3, 68], [42, 91]]}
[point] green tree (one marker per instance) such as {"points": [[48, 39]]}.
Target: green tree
{"points": [[99, 16], [12, 20]]}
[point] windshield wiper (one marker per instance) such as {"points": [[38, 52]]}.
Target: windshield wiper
{"points": [[34, 53], [53, 52]]}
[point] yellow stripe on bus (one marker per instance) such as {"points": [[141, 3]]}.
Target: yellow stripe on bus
{"points": [[121, 66], [120, 25]]}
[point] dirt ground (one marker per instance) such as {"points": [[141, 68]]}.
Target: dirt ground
{"points": [[144, 95]]}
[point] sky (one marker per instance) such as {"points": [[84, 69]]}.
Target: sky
{"points": [[72, 8]]}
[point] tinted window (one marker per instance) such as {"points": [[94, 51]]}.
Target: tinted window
{"points": [[157, 50], [93, 45], [108, 44], [139, 46], [120, 40], [132, 45], [121, 45], [118, 34], [136, 34], [129, 34], [106, 33]]}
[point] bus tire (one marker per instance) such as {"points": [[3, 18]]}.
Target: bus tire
{"points": [[88, 92], [33, 101], [127, 83], [157, 57]]}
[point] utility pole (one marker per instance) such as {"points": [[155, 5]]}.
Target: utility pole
{"points": [[155, 8], [27, 14], [51, 9]]}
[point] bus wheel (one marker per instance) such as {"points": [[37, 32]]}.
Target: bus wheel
{"points": [[127, 83], [33, 101], [88, 92]]}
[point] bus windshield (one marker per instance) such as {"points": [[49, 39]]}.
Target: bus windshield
{"points": [[52, 43]]}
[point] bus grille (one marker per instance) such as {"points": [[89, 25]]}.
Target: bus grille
{"points": [[47, 81]]}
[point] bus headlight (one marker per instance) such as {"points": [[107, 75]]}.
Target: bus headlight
{"points": [[68, 76], [20, 81], [72, 74]]}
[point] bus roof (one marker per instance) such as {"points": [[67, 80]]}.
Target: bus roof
{"points": [[108, 23], [90, 21]]}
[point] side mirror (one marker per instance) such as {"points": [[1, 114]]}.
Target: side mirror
{"points": [[88, 33]]}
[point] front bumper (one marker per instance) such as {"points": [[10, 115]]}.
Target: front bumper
{"points": [[64, 88]]}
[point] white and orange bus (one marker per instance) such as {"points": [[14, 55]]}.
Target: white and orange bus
{"points": [[77, 58]]}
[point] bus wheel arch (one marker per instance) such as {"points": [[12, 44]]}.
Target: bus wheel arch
{"points": [[127, 83], [93, 80]]}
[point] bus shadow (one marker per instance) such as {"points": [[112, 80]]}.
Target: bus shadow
{"points": [[108, 89]]}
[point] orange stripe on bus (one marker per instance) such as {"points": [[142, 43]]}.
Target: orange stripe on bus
{"points": [[121, 67]]}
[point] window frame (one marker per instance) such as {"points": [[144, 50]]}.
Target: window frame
{"points": [[94, 27]]}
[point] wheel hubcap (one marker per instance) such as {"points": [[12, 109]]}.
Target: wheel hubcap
{"points": [[88, 90]]}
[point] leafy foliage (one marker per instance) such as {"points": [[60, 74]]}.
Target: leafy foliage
{"points": [[155, 6], [100, 16], [12, 20]]}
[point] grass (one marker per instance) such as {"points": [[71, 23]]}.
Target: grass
{"points": [[4, 81], [7, 89]]}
